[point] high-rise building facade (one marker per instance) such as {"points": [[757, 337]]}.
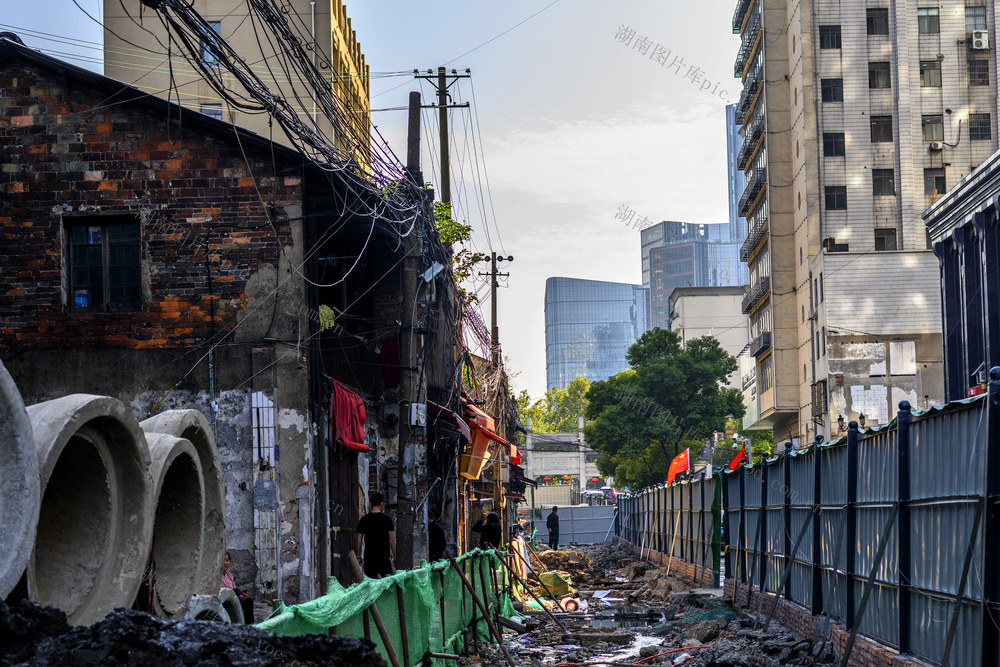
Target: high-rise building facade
{"points": [[322, 28], [736, 181], [681, 254], [589, 326], [856, 117]]}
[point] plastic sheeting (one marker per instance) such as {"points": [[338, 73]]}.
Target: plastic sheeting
{"points": [[340, 610]]}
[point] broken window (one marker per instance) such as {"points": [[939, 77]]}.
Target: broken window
{"points": [[103, 264]]}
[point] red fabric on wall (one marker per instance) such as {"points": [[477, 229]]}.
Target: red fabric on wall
{"points": [[347, 418]]}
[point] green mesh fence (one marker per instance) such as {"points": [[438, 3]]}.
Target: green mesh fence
{"points": [[340, 610]]}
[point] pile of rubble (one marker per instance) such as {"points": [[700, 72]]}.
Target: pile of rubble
{"points": [[34, 635]]}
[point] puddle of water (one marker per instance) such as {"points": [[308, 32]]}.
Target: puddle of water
{"points": [[627, 616]]}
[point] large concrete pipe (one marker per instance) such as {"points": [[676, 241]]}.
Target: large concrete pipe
{"points": [[231, 603], [19, 491], [178, 527], [95, 521], [207, 608], [193, 426]]}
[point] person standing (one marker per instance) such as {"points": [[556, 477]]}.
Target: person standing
{"points": [[552, 523], [379, 535], [490, 531]]}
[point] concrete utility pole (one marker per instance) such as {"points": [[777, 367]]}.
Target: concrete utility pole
{"points": [[410, 435], [494, 285], [441, 83]]}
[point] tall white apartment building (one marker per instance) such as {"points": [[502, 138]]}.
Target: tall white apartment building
{"points": [[856, 117]]}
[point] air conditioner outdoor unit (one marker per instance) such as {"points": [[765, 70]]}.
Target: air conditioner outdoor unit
{"points": [[937, 146], [979, 40]]}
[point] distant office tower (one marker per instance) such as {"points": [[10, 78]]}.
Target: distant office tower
{"points": [[737, 179], [680, 254], [589, 325]]}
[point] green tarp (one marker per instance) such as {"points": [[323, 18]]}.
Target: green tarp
{"points": [[339, 611]]}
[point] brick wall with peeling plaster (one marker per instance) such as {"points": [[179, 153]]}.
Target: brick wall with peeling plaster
{"points": [[64, 151]]}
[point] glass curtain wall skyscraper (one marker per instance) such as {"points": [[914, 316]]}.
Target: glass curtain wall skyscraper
{"points": [[589, 326]]}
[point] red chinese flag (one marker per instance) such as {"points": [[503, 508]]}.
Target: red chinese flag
{"points": [[739, 458], [680, 463]]}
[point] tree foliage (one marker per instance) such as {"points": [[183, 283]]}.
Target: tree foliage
{"points": [[464, 260], [559, 411], [672, 397]]}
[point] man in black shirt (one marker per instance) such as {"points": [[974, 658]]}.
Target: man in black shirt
{"points": [[380, 539], [552, 523]]}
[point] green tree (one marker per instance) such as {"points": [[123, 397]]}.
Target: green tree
{"points": [[464, 260], [672, 397], [559, 411]]}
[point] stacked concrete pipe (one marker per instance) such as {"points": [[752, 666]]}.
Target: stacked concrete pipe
{"points": [[178, 526], [194, 427], [19, 492], [95, 517]]}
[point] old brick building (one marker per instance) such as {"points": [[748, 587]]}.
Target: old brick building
{"points": [[170, 259]]}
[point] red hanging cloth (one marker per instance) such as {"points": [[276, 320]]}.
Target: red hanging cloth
{"points": [[347, 418]]}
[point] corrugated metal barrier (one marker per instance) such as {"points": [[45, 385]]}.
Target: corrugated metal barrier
{"points": [[893, 531]]}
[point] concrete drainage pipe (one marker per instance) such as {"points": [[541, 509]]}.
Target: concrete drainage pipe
{"points": [[227, 596], [178, 526], [193, 426], [19, 491], [95, 519], [206, 608]]}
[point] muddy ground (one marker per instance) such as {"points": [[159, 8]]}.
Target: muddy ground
{"points": [[644, 617], [32, 635]]}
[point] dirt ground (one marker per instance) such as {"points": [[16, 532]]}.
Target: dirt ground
{"points": [[633, 613]]}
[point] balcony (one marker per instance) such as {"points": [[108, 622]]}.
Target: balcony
{"points": [[758, 292], [750, 87], [753, 130], [760, 344], [754, 185], [742, 8], [749, 38], [753, 240]]}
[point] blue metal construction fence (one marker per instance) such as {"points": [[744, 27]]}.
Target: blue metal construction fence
{"points": [[894, 531]]}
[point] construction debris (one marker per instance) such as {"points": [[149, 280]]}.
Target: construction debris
{"points": [[35, 635]]}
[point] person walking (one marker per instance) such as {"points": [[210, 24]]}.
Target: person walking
{"points": [[379, 535], [552, 523]]}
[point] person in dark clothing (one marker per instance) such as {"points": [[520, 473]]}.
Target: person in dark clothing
{"points": [[436, 542], [552, 523], [228, 581], [379, 538], [490, 532]]}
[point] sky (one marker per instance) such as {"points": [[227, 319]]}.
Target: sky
{"points": [[568, 124]]}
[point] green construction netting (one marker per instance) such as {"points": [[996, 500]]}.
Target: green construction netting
{"points": [[340, 610]]}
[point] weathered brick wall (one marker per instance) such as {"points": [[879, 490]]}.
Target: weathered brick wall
{"points": [[67, 149]]}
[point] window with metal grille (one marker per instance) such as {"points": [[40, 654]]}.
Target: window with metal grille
{"points": [[979, 72], [883, 182], [836, 197], [879, 75], [980, 126], [885, 239], [829, 37], [932, 127], [975, 18], [213, 110], [881, 128], [934, 183], [833, 144], [103, 264], [930, 73], [206, 53], [928, 22], [832, 90], [878, 21]]}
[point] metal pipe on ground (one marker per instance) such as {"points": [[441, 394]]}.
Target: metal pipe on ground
{"points": [[95, 521], [19, 488], [179, 501], [193, 426]]}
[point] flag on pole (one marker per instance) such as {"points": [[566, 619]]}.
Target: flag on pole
{"points": [[739, 458], [680, 463]]}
